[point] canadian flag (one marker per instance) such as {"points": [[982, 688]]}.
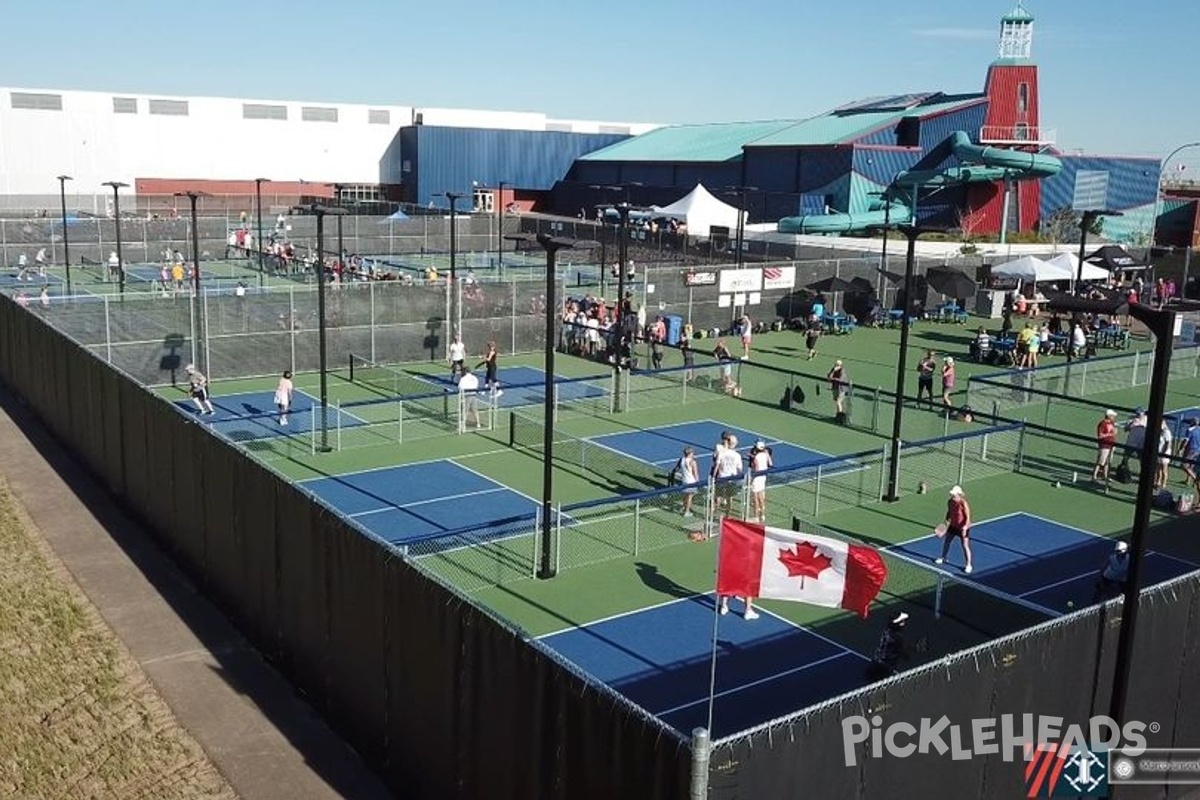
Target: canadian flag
{"points": [[759, 561]]}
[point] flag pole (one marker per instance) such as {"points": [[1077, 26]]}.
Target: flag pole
{"points": [[712, 667]]}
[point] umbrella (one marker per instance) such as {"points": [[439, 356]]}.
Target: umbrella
{"points": [[833, 285], [863, 285], [895, 277], [950, 282]]}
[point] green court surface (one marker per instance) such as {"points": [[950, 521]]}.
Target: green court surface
{"points": [[93, 279], [598, 578]]}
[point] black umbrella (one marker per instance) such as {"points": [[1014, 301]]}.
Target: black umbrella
{"points": [[896, 278], [833, 284], [863, 285], [950, 282]]}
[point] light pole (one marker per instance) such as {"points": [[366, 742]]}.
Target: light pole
{"points": [[552, 244], [198, 336], [116, 187], [454, 197], [62, 195], [1158, 188], [1161, 324], [911, 233], [741, 221], [1086, 221], [320, 212], [262, 270], [500, 227], [337, 201]]}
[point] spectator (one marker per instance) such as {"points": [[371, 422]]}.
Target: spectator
{"points": [[1113, 575], [891, 649], [1106, 440], [925, 368], [838, 386]]}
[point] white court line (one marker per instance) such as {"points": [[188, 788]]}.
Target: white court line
{"points": [[759, 682], [1191, 567], [401, 467], [811, 632], [973, 525], [1056, 584], [622, 614], [537, 504], [430, 500]]}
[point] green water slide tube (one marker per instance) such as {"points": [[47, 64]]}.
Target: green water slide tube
{"points": [[978, 164]]}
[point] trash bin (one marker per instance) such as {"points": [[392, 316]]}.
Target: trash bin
{"points": [[674, 328]]}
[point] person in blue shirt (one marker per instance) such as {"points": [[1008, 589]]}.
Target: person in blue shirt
{"points": [[1114, 574]]}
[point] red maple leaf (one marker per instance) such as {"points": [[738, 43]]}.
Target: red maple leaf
{"points": [[805, 561]]}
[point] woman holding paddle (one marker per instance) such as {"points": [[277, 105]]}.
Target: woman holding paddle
{"points": [[956, 526]]}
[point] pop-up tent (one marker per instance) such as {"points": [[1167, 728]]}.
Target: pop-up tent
{"points": [[1031, 268], [1070, 262], [700, 210], [1113, 257]]}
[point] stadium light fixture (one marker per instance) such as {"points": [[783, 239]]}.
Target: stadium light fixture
{"points": [[455, 310], [116, 187]]}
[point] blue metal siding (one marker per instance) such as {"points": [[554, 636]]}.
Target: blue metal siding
{"points": [[1132, 187], [936, 129], [451, 159]]}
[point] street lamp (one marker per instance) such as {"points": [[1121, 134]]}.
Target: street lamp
{"points": [[116, 187], [320, 212], [740, 238], [337, 198], [62, 194], [552, 244], [1158, 188], [198, 336], [1161, 323], [1086, 221], [258, 182], [911, 233], [454, 197]]}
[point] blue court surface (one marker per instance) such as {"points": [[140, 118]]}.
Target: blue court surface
{"points": [[248, 416], [1039, 560], [525, 386], [660, 659], [664, 445], [399, 504], [34, 283]]}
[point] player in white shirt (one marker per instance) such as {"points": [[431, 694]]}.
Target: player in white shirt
{"points": [[760, 462], [457, 357], [283, 396], [468, 392]]}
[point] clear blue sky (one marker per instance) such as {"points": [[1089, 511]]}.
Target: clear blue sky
{"points": [[1115, 76]]}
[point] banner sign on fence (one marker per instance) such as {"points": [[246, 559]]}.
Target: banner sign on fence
{"points": [[779, 277], [699, 279], [741, 280]]}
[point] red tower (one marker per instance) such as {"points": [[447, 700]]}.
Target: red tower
{"points": [[1012, 121]]}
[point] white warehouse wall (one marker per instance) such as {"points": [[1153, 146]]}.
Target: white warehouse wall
{"points": [[93, 144]]}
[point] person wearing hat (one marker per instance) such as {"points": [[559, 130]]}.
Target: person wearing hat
{"points": [[1135, 437], [1106, 440], [838, 385], [1114, 574], [958, 526], [891, 649], [760, 462]]}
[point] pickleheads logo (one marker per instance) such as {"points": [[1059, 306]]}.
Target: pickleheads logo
{"points": [[1010, 736]]}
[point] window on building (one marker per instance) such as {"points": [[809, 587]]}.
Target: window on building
{"points": [[261, 111], [1022, 97], [484, 200], [37, 102], [316, 114], [170, 108], [125, 105], [379, 116]]}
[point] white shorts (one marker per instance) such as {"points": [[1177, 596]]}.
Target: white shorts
{"points": [[281, 400], [758, 484], [1104, 456]]}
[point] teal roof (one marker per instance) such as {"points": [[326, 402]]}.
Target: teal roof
{"points": [[700, 143], [1018, 14], [836, 128]]}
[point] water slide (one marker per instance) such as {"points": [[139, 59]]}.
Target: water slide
{"points": [[978, 164]]}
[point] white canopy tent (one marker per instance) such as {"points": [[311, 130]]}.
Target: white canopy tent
{"points": [[700, 211], [1070, 262], [1031, 268]]}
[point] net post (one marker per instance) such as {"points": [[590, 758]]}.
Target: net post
{"points": [[556, 541], [312, 429], [637, 525], [512, 430], [337, 409], [1136, 360], [710, 507], [1083, 380], [1021, 450], [899, 463], [701, 755], [400, 422], [683, 386], [937, 596], [746, 495], [962, 461], [883, 455], [875, 411], [556, 404], [817, 489], [535, 540], [946, 423], [995, 411], [1046, 415]]}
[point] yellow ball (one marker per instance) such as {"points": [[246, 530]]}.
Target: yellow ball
{"points": [[1070, 604]]}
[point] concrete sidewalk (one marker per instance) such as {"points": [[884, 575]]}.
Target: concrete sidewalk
{"points": [[262, 737]]}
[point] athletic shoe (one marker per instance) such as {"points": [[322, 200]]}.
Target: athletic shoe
{"points": [[750, 614], [939, 561], [967, 569], [724, 609], [688, 514], [499, 393]]}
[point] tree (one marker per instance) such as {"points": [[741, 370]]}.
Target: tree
{"points": [[1062, 226]]}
